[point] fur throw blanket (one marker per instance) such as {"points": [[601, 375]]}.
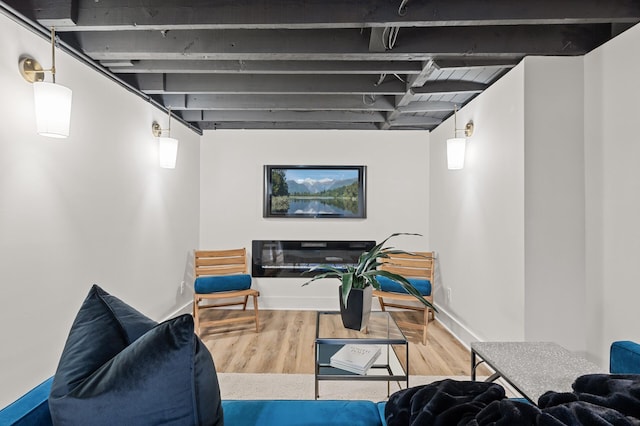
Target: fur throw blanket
{"points": [[597, 399]]}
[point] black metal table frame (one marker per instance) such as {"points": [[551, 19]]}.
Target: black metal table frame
{"points": [[531, 368], [389, 377], [494, 376]]}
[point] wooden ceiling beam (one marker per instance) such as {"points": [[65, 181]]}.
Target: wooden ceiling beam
{"points": [[257, 102], [266, 84], [415, 44], [108, 15], [287, 116], [49, 13], [267, 67], [475, 62], [414, 121], [301, 125]]}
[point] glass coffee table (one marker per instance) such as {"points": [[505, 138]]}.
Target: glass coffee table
{"points": [[392, 364]]}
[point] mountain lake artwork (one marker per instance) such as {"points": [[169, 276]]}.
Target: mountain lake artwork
{"points": [[314, 191]]}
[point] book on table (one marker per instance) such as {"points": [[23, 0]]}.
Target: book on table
{"points": [[355, 358]]}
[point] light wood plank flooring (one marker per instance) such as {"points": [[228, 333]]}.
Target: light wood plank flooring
{"points": [[286, 339]]}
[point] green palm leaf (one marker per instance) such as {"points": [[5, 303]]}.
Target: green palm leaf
{"points": [[364, 273]]}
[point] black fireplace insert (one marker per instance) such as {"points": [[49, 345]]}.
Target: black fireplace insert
{"points": [[293, 258]]}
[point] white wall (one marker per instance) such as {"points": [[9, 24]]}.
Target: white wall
{"points": [[594, 205], [231, 196], [93, 208], [477, 217], [612, 150], [569, 205], [510, 225], [554, 201]]}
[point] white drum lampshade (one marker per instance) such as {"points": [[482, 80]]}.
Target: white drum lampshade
{"points": [[167, 152], [455, 153], [53, 109]]}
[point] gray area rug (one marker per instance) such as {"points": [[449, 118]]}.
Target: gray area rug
{"points": [[301, 386]]}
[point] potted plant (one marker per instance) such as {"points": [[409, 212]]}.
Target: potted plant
{"points": [[359, 280]]}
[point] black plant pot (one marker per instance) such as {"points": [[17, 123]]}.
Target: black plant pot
{"points": [[356, 315]]}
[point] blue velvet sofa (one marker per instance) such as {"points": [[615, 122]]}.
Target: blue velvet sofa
{"points": [[33, 408], [120, 367]]}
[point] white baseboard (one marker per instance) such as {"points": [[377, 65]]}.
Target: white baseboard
{"points": [[184, 309], [456, 328]]}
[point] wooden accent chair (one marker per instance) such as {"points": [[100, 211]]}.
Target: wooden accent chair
{"points": [[222, 274], [419, 271]]}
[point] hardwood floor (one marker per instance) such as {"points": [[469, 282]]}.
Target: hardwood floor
{"points": [[285, 344]]}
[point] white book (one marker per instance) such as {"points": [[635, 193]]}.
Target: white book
{"points": [[355, 358], [351, 368]]}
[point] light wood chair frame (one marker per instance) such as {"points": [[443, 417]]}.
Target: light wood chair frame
{"points": [[220, 263], [417, 265]]}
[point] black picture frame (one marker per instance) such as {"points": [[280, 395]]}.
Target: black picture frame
{"points": [[315, 192]]}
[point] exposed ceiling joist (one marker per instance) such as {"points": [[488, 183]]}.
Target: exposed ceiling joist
{"points": [[475, 62], [414, 121], [266, 84], [322, 64], [290, 116], [279, 102], [266, 67], [419, 79], [110, 15], [288, 125], [343, 44]]}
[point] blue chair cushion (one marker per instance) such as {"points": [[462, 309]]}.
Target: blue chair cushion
{"points": [[119, 367], [218, 283], [423, 286]]}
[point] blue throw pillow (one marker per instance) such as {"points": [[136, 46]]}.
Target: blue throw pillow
{"points": [[103, 327], [119, 367], [423, 286], [217, 283]]}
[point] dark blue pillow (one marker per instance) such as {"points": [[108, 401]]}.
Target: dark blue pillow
{"points": [[112, 371], [103, 327]]}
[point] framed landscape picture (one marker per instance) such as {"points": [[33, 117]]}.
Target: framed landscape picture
{"points": [[315, 191]]}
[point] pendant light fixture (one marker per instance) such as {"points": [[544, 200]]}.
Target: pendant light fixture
{"points": [[167, 146], [456, 146], [52, 101]]}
